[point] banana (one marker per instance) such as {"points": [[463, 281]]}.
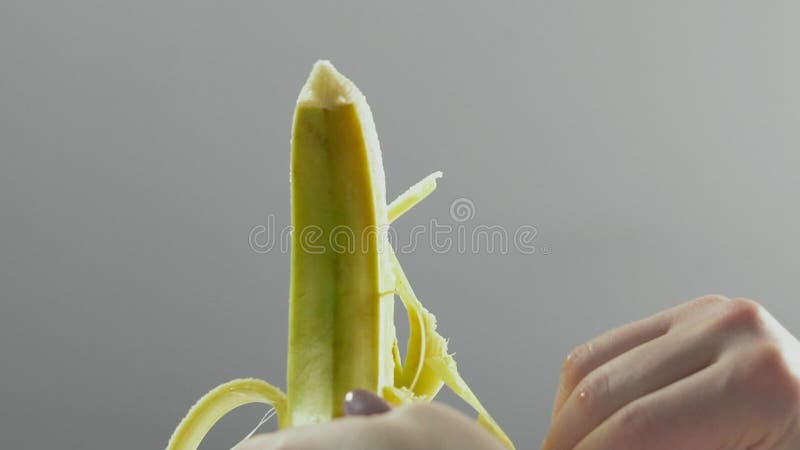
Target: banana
{"points": [[344, 276]]}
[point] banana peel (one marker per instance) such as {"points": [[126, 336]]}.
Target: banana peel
{"points": [[344, 276]]}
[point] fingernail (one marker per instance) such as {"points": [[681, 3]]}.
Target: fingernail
{"points": [[361, 402]]}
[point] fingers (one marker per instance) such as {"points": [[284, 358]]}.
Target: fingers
{"points": [[634, 374], [588, 357], [417, 426], [666, 419], [694, 412], [722, 376]]}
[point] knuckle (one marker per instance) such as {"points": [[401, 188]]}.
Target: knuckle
{"points": [[593, 392], [697, 307], [710, 299], [742, 315], [746, 305]]}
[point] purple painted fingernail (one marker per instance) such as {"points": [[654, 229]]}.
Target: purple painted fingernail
{"points": [[361, 402]]}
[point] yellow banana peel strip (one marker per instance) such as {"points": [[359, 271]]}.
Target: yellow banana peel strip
{"points": [[220, 401], [445, 367], [439, 367], [399, 396], [414, 362], [412, 196]]}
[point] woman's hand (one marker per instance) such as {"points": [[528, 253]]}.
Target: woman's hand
{"points": [[369, 427], [710, 374]]}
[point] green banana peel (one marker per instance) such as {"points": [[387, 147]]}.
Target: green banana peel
{"points": [[344, 275]]}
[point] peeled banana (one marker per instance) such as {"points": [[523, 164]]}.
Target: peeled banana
{"points": [[344, 276]]}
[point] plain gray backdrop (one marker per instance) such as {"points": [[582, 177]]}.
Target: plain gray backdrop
{"points": [[654, 145]]}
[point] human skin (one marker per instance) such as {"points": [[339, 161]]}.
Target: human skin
{"points": [[413, 427], [713, 373]]}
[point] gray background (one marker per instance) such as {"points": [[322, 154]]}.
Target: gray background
{"points": [[655, 147]]}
